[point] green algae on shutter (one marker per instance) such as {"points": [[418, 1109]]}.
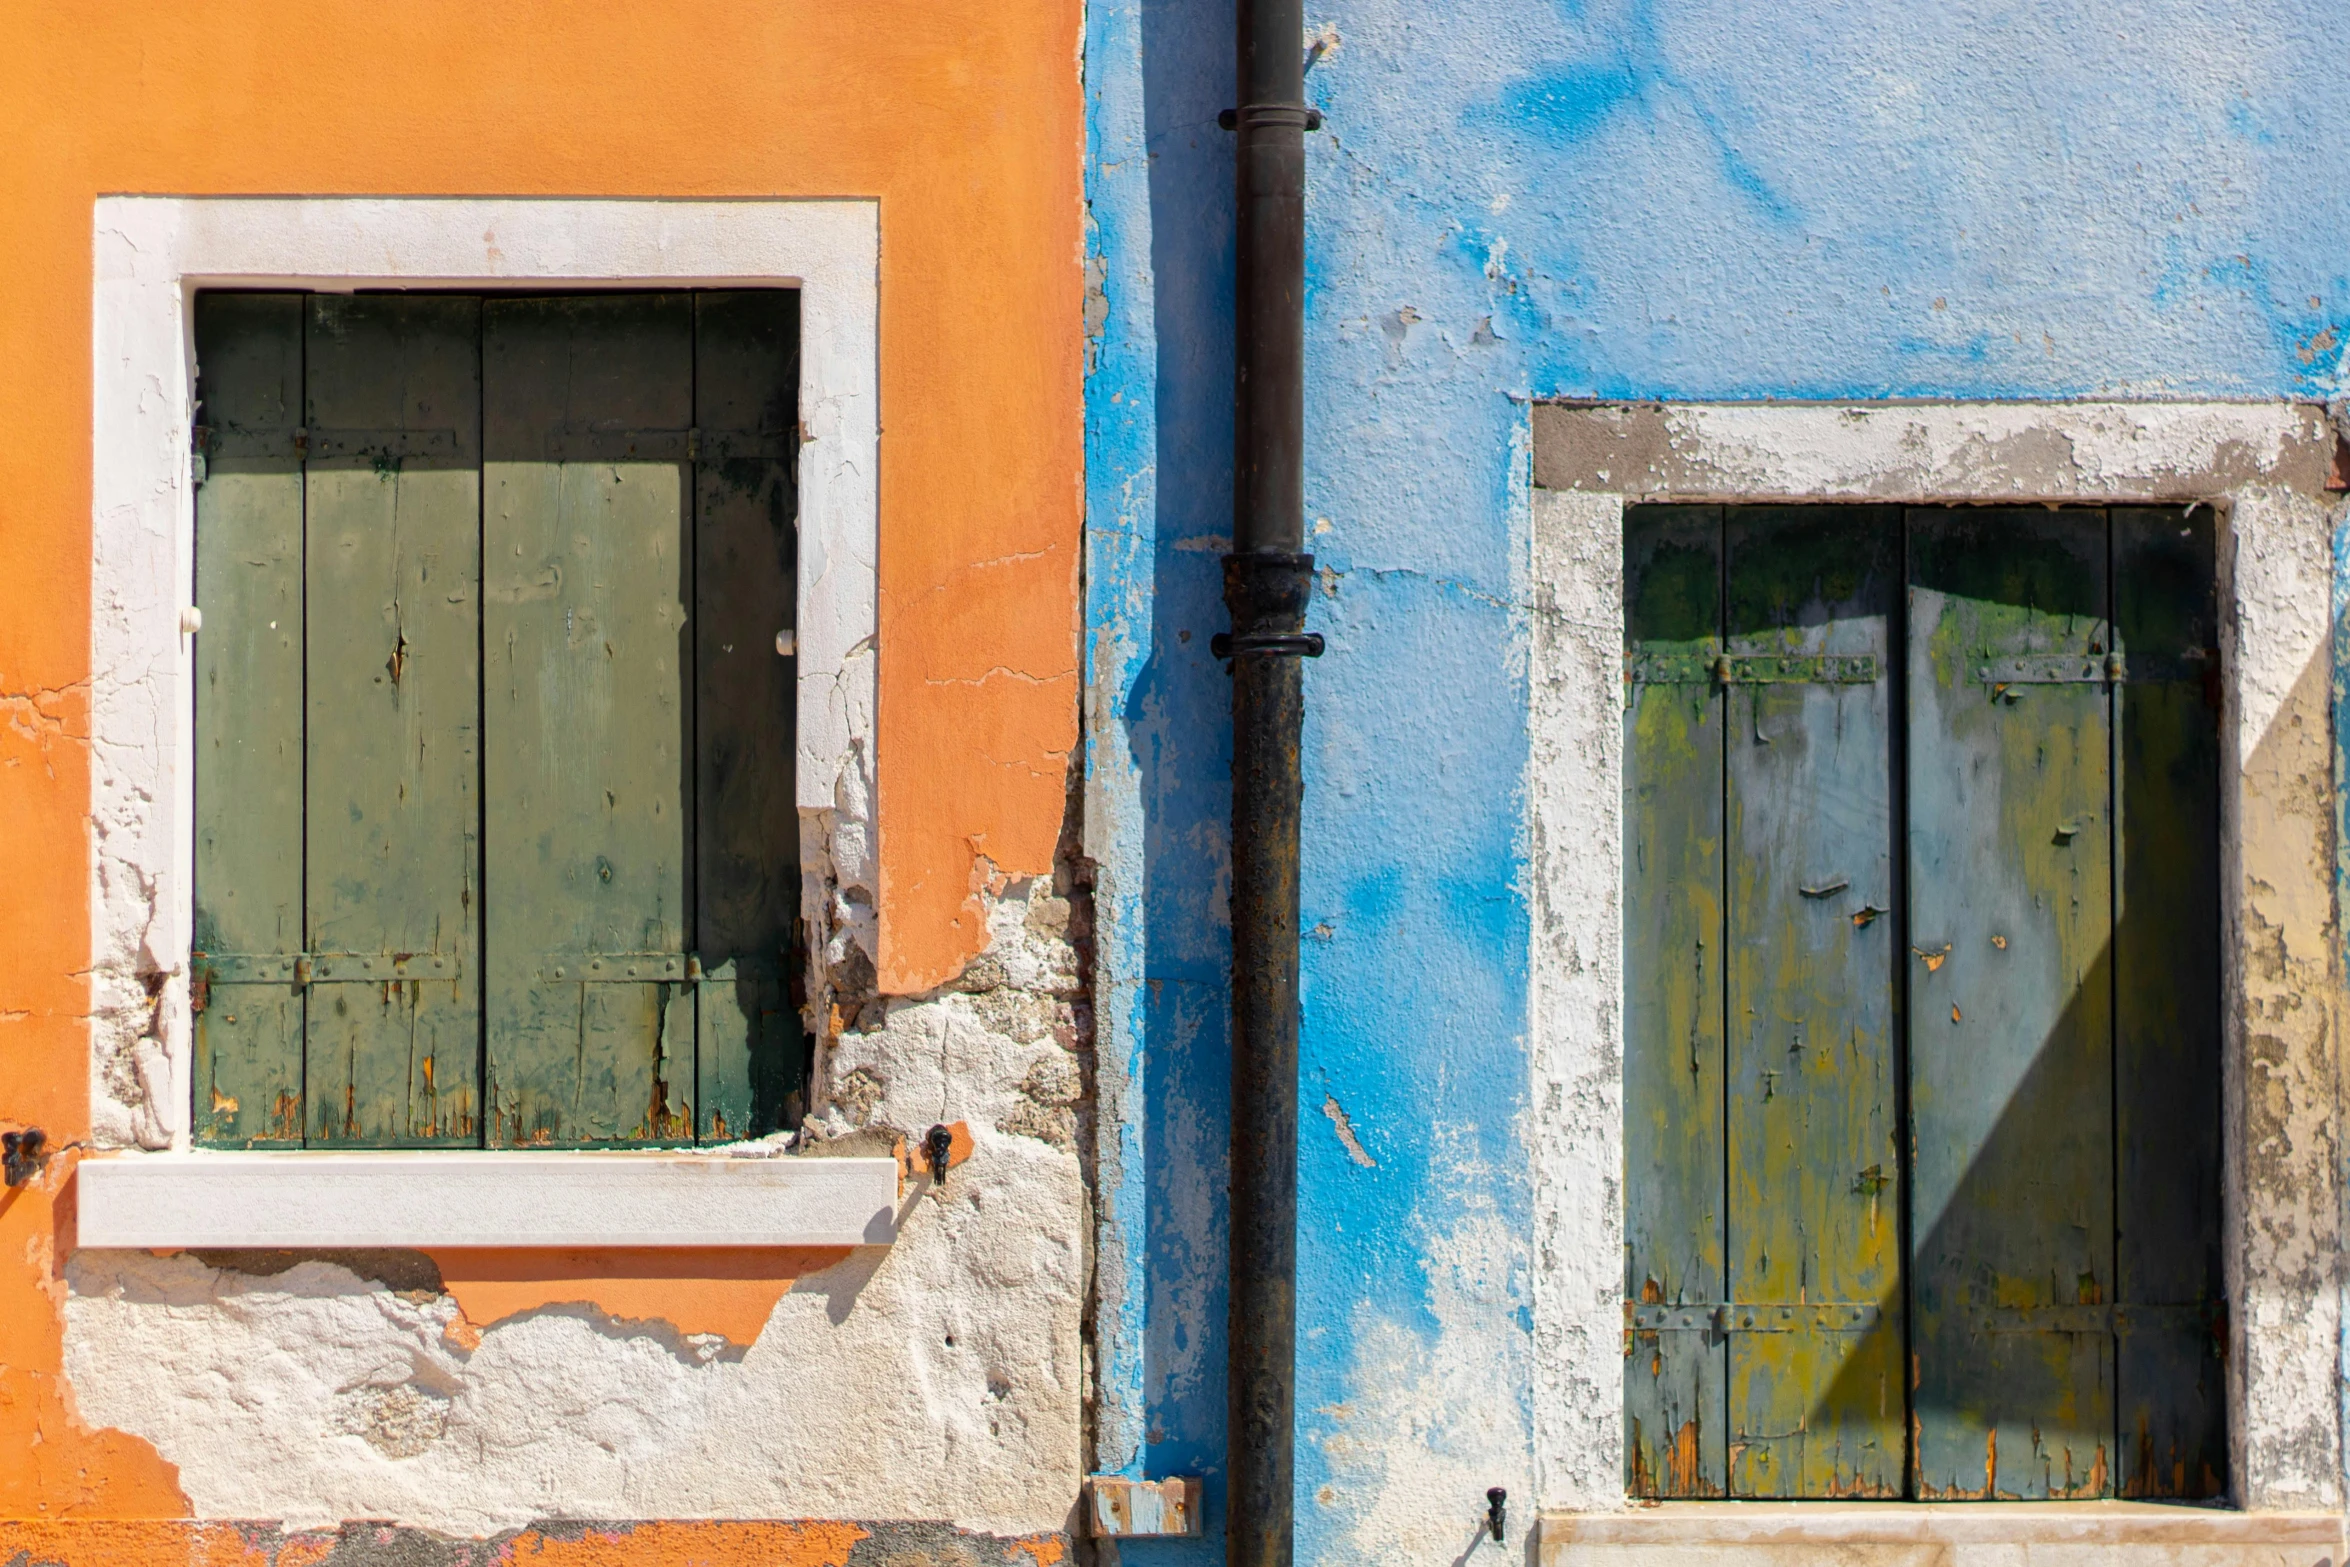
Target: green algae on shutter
{"points": [[588, 408], [747, 872], [394, 412], [2010, 1024], [2170, 1325], [1816, 1400], [1674, 1358], [248, 677]]}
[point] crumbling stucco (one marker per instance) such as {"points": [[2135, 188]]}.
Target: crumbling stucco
{"points": [[937, 1378], [942, 1377], [2264, 466]]}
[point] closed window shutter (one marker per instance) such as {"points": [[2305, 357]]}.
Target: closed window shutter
{"points": [[393, 875], [747, 885], [247, 934], [1951, 1154], [587, 526], [497, 834]]}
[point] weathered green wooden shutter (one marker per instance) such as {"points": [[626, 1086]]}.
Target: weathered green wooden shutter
{"points": [[588, 754], [2170, 1326], [394, 693], [534, 847], [1814, 1317], [747, 888], [247, 935], [1675, 1361], [2013, 1022], [2011, 1014]]}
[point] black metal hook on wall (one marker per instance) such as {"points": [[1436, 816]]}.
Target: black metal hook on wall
{"points": [[1497, 1503]]}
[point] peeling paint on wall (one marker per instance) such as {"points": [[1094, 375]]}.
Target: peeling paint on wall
{"points": [[1650, 199]]}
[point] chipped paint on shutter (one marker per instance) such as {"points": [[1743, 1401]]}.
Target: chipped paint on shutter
{"points": [[588, 409], [1674, 1354], [1814, 1158], [2010, 1018], [393, 1056], [248, 676]]}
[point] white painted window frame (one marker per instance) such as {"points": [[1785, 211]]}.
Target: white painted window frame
{"points": [[2260, 465], [150, 255]]}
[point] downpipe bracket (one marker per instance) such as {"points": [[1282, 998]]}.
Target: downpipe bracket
{"points": [[1270, 116]]}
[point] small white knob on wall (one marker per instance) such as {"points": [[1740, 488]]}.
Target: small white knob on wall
{"points": [[191, 621], [785, 644]]}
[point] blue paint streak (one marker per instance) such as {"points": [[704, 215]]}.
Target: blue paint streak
{"points": [[1625, 199]]}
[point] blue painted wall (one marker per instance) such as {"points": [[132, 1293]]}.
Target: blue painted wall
{"points": [[1645, 199]]}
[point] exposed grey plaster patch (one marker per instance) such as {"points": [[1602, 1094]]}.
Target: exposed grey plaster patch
{"points": [[1344, 1126]]}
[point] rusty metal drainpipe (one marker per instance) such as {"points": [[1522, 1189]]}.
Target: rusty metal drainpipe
{"points": [[1267, 578]]}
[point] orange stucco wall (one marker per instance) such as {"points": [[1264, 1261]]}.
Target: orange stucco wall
{"points": [[961, 116]]}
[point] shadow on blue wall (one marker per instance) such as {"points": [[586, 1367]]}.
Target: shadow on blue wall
{"points": [[1178, 725]]}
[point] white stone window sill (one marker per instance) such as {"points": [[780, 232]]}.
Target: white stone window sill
{"points": [[462, 1198], [1949, 1534]]}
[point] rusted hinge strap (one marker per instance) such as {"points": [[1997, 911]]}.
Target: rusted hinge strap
{"points": [[618, 968], [313, 968], [2054, 669], [1755, 1317], [1759, 669]]}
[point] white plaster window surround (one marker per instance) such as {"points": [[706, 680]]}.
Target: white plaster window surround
{"points": [[150, 255], [2263, 467]]}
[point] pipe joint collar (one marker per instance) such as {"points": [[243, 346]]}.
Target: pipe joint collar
{"points": [[1271, 117], [1267, 590]]}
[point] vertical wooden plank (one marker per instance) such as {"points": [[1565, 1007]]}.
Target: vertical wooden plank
{"points": [[587, 401], [248, 668], [752, 1056], [2170, 1375], [1673, 1369], [1814, 1150], [394, 414], [2010, 1007]]}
